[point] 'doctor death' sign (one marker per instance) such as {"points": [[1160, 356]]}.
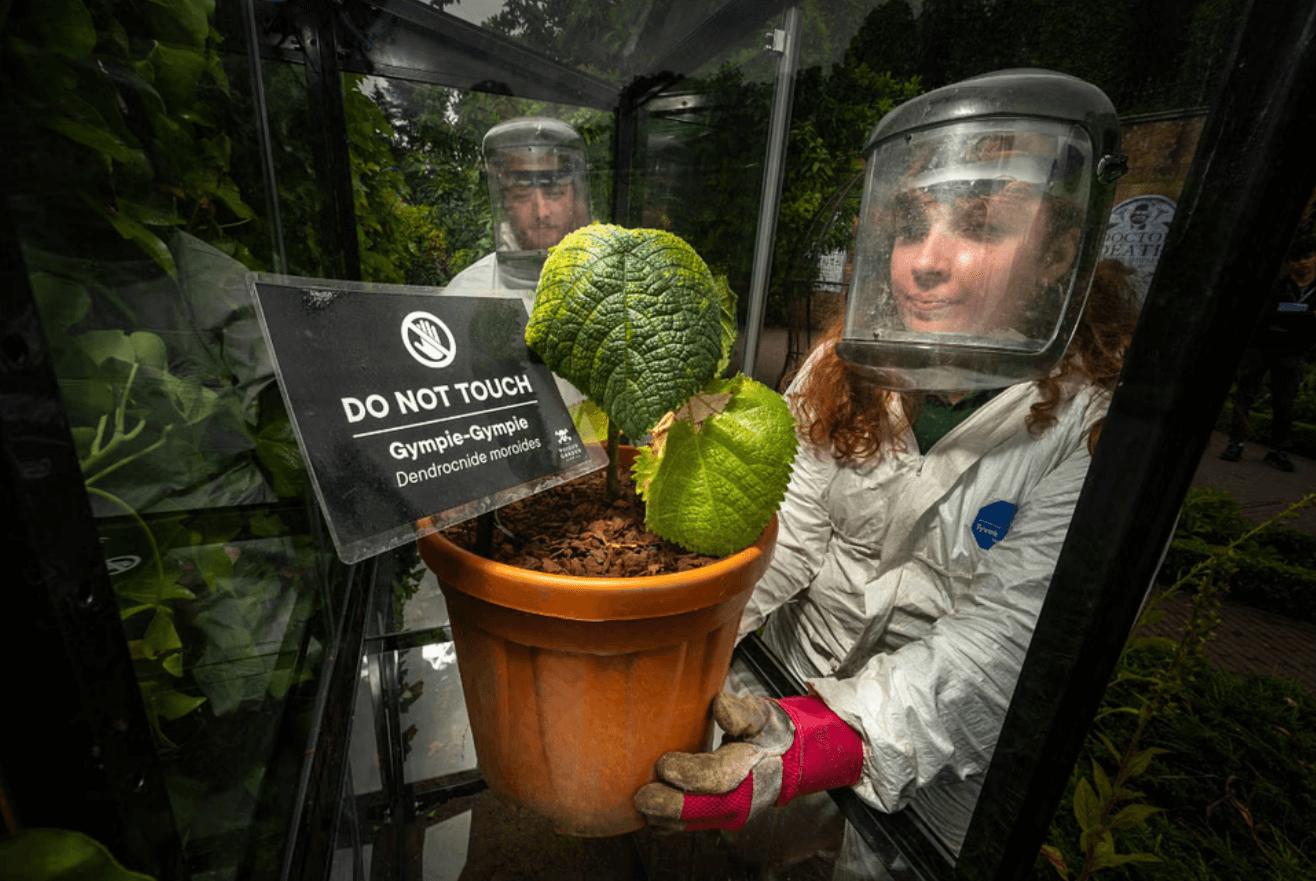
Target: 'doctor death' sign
{"points": [[414, 410]]}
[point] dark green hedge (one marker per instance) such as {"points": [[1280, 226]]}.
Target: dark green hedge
{"points": [[1275, 570]]}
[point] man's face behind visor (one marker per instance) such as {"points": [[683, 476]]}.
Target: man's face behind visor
{"points": [[541, 200]]}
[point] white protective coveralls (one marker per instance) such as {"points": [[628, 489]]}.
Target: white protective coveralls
{"points": [[482, 279], [880, 597], [482, 276]]}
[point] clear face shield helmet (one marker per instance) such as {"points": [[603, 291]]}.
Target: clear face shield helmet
{"points": [[538, 188], [979, 230]]}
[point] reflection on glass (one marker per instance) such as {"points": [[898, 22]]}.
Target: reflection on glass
{"points": [[138, 230]]}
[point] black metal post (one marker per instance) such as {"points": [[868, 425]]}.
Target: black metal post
{"points": [[320, 792], [1251, 177], [263, 139], [76, 746], [324, 92], [625, 128]]}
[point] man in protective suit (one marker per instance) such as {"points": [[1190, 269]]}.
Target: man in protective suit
{"points": [[539, 191], [538, 180], [945, 438]]}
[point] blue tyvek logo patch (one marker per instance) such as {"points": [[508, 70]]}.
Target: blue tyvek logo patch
{"points": [[992, 523]]}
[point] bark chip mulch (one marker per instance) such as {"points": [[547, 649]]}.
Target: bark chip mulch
{"points": [[572, 529]]}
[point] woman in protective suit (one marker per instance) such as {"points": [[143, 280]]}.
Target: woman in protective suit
{"points": [[946, 436]]}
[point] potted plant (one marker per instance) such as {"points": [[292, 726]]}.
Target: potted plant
{"points": [[576, 685]]}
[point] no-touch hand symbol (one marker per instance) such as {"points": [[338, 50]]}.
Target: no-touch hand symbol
{"points": [[428, 340]]}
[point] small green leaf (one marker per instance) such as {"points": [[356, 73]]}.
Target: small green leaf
{"points": [[1098, 838], [193, 401], [1146, 642], [713, 489], [145, 239], [229, 195], [1132, 815], [1110, 747], [160, 635], [175, 705], [1087, 808], [1107, 858], [173, 664], [150, 215], [1141, 760], [1102, 781], [266, 524], [140, 347], [1152, 617]]}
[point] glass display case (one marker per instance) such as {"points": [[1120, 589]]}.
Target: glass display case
{"points": [[205, 687]]}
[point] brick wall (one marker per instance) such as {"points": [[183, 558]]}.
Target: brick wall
{"points": [[1160, 150]]}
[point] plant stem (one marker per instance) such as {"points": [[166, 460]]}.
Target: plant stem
{"points": [[119, 436], [164, 435], [614, 440]]}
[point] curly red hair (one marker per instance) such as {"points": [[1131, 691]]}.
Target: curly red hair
{"points": [[845, 411]]}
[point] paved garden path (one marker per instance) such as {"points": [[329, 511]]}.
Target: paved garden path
{"points": [[1251, 640]]}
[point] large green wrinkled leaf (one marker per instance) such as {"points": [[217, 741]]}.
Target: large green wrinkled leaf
{"points": [[713, 488], [632, 318]]}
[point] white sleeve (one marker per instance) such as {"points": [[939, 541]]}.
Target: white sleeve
{"points": [[932, 708], [804, 532]]}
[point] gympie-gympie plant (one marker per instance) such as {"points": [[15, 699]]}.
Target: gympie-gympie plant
{"points": [[636, 321]]}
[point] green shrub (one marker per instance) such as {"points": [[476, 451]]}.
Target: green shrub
{"points": [[1237, 785], [1189, 772], [1275, 570]]}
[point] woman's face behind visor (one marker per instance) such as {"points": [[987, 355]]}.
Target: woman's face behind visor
{"points": [[968, 257]]}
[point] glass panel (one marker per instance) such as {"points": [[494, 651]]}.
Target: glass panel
{"points": [[426, 215], [301, 192], [707, 134], [140, 205]]}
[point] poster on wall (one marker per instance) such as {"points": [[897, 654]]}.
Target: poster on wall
{"points": [[414, 410], [1136, 234]]}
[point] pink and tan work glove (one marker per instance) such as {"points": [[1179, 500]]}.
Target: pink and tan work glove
{"points": [[773, 752]]}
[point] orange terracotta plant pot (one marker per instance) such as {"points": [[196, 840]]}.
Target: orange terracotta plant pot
{"points": [[575, 686]]}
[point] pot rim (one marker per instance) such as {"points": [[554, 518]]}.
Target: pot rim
{"points": [[594, 598]]}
